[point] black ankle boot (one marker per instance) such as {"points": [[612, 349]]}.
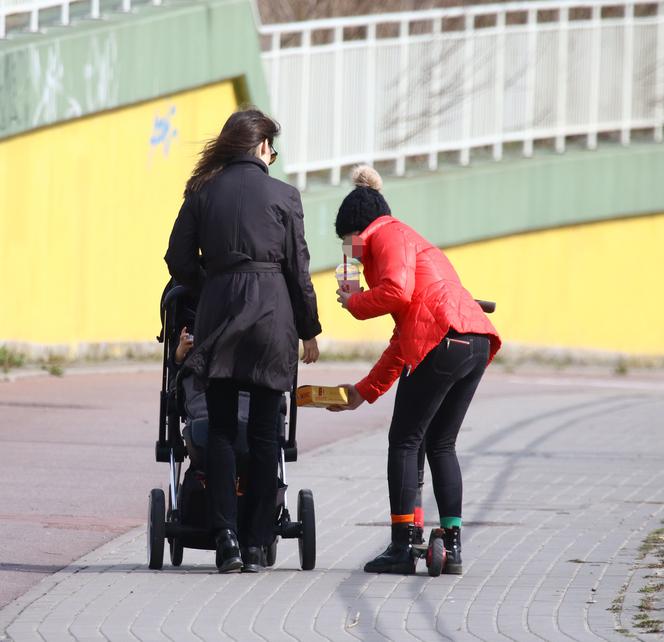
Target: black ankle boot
{"points": [[398, 557], [228, 552], [253, 559], [452, 540]]}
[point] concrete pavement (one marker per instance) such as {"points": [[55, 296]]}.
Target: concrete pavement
{"points": [[563, 480]]}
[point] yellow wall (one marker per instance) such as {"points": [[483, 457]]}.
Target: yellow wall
{"points": [[588, 286], [86, 209], [85, 213]]}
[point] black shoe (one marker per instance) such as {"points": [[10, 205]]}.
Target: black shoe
{"points": [[452, 540], [398, 557], [418, 535], [253, 558], [228, 552]]}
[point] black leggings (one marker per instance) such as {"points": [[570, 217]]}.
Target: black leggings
{"points": [[430, 406], [257, 527]]}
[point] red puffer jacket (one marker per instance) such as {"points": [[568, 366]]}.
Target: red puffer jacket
{"points": [[412, 280]]}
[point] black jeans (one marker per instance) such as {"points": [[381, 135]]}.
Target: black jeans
{"points": [[259, 507], [430, 406]]}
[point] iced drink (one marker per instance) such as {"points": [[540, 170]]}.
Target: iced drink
{"points": [[348, 276]]}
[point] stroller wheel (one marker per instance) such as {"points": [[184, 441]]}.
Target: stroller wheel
{"points": [[156, 528], [436, 557], [271, 553], [307, 519], [177, 551]]}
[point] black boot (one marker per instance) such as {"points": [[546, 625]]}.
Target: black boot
{"points": [[398, 557], [452, 540], [253, 558], [228, 552]]}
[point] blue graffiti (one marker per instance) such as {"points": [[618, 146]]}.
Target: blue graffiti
{"points": [[163, 131]]}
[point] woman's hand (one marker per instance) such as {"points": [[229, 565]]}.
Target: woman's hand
{"points": [[311, 352], [355, 399], [186, 344]]}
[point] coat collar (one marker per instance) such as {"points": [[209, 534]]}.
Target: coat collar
{"points": [[248, 158], [375, 225]]}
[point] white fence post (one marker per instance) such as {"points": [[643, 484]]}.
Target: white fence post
{"points": [[561, 87], [467, 100], [658, 132], [499, 86], [530, 83], [94, 9], [34, 19], [64, 13], [338, 103], [370, 123], [404, 26], [304, 101], [627, 75], [275, 62], [595, 69], [436, 90]]}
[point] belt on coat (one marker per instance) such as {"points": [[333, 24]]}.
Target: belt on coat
{"points": [[243, 266]]}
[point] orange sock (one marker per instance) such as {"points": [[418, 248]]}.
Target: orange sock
{"points": [[402, 519]]}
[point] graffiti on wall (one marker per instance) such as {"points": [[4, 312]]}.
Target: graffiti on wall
{"points": [[15, 104], [101, 82], [38, 87], [47, 79], [163, 131]]}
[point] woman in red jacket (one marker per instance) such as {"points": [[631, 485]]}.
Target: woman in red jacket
{"points": [[441, 345]]}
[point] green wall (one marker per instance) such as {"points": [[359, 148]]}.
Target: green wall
{"points": [[460, 205], [124, 59]]}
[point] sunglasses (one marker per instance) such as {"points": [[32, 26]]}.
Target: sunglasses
{"points": [[273, 155]]}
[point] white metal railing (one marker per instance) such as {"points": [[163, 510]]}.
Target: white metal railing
{"points": [[33, 7], [519, 77]]}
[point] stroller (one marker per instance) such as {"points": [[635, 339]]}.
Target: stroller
{"points": [[183, 522]]}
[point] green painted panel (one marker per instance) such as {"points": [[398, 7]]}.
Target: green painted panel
{"points": [[464, 204], [125, 59]]}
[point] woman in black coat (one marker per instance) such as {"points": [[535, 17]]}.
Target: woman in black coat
{"points": [[256, 300]]}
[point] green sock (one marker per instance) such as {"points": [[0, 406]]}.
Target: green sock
{"points": [[450, 522]]}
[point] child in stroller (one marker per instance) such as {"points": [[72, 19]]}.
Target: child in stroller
{"points": [[185, 523]]}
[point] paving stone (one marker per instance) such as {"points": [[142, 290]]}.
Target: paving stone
{"points": [[551, 535]]}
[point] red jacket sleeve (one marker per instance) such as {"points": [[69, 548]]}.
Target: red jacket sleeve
{"points": [[394, 259], [384, 373]]}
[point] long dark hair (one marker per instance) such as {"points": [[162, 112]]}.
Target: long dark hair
{"points": [[241, 134]]}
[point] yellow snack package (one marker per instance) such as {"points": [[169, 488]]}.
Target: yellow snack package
{"points": [[321, 396]]}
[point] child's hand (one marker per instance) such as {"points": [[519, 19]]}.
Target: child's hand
{"points": [[186, 344]]}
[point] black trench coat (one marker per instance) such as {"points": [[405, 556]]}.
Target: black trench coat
{"points": [[247, 323]]}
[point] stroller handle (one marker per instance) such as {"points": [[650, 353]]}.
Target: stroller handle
{"points": [[487, 306], [173, 293]]}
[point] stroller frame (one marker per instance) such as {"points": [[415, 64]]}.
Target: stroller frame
{"points": [[165, 524]]}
